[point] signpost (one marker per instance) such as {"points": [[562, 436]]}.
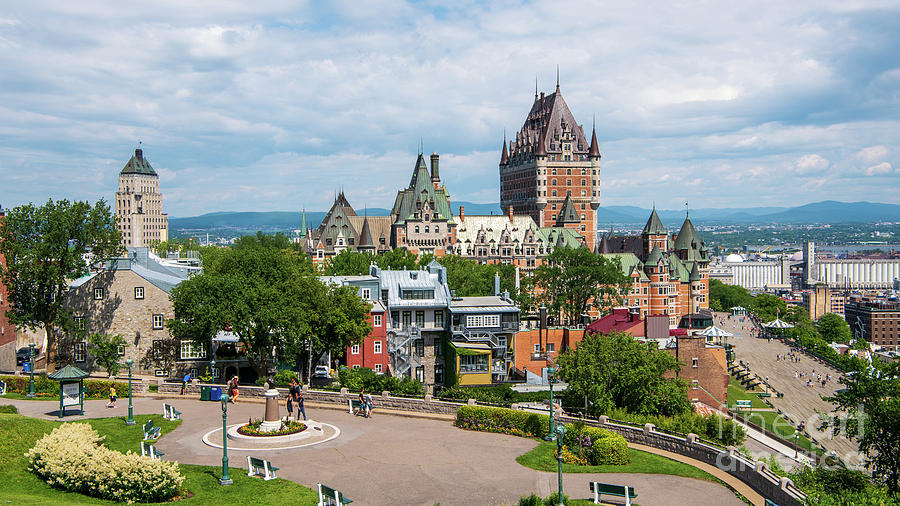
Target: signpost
{"points": [[71, 391]]}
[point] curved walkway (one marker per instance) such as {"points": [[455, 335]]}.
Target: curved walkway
{"points": [[400, 459]]}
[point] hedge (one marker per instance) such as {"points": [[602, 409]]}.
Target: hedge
{"points": [[72, 458], [595, 445], [359, 378], [46, 387], [710, 427], [497, 394], [502, 420]]}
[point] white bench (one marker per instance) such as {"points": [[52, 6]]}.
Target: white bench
{"points": [[2, 388], [151, 431], [149, 450], [355, 406], [170, 413], [260, 467], [331, 497]]}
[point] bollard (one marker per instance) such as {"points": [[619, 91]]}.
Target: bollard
{"points": [[344, 391], [428, 397], [471, 402], [648, 428], [385, 394], [692, 438], [603, 419]]}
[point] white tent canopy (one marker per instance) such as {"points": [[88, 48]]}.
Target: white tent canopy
{"points": [[778, 323], [714, 332]]}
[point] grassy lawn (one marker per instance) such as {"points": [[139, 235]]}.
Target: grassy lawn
{"points": [[738, 392], [773, 422], [542, 459], [18, 485]]}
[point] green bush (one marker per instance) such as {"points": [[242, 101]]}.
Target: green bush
{"points": [[502, 420], [8, 409], [712, 427], [361, 378], [595, 445], [72, 458], [535, 500], [46, 387], [610, 450], [497, 394]]}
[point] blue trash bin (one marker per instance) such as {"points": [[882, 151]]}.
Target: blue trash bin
{"points": [[215, 394], [26, 367]]}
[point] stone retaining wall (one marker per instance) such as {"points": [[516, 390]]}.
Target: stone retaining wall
{"points": [[755, 474]]}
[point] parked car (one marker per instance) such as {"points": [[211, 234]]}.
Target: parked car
{"points": [[321, 372], [24, 354]]}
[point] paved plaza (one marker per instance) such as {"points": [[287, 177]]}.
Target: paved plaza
{"points": [[800, 402], [390, 459]]}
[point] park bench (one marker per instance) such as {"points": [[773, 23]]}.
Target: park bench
{"points": [[624, 491], [2, 388], [764, 394], [331, 497], [742, 404], [149, 450], [151, 431], [170, 413], [260, 467], [354, 405]]}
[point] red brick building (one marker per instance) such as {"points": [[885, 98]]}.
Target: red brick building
{"points": [[703, 367], [372, 352], [7, 330]]}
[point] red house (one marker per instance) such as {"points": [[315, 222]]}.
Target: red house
{"points": [[372, 351], [7, 329]]}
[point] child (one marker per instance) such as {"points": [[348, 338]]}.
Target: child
{"points": [[112, 397], [234, 389]]}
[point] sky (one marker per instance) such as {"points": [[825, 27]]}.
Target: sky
{"points": [[275, 105]]}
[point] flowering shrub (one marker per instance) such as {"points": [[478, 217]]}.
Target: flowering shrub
{"points": [[502, 420], [596, 446], [72, 458], [570, 458], [289, 427]]}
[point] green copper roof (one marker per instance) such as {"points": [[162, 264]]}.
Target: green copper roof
{"points": [[654, 225], [69, 372], [421, 190], [655, 256], [695, 272], [629, 262], [568, 214], [557, 237], [679, 270], [303, 223], [138, 165]]}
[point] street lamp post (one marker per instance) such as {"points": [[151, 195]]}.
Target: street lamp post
{"points": [[225, 479], [31, 359], [130, 420], [559, 433], [551, 378]]}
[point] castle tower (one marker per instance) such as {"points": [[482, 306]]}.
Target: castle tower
{"points": [[139, 210], [550, 159]]}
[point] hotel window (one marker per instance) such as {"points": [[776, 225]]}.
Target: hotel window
{"points": [[420, 374], [473, 363], [158, 320], [417, 229], [366, 293], [420, 348], [420, 319], [354, 350], [356, 366], [695, 362], [376, 320], [695, 384], [121, 350], [98, 294], [377, 347], [377, 367], [79, 323], [439, 319], [139, 292], [568, 182], [80, 351], [191, 350], [407, 319], [551, 347]]}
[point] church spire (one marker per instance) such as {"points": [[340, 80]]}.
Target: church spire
{"points": [[504, 155], [595, 149], [557, 78]]}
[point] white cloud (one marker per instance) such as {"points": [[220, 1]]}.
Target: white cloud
{"points": [[807, 164], [880, 169], [872, 154]]}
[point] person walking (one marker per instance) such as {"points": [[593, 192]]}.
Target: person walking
{"points": [[369, 405], [362, 403], [112, 397], [295, 394], [184, 381], [233, 389]]}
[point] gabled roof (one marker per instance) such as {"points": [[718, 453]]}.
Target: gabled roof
{"points": [[496, 228], [654, 225], [365, 235], [139, 262], [560, 237], [567, 214], [678, 269], [695, 272], [655, 256], [67, 373], [138, 165], [630, 263], [548, 117], [420, 192]]}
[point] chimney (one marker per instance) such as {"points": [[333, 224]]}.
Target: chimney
{"points": [[462, 213], [435, 173], [139, 154], [496, 284], [510, 213]]}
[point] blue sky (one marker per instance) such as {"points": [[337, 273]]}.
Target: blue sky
{"points": [[273, 105]]}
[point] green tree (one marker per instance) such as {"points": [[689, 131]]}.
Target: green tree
{"points": [[45, 248], [617, 371], [573, 277], [161, 355], [397, 259], [871, 401], [277, 241], [349, 263], [767, 306], [833, 328], [728, 296], [105, 351]]}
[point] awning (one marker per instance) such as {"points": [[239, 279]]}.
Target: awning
{"points": [[471, 348], [226, 336]]}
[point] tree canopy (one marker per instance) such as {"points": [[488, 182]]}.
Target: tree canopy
{"points": [[105, 351], [728, 296], [834, 328], [617, 371], [45, 248], [573, 277]]}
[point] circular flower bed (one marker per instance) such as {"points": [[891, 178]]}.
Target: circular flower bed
{"points": [[289, 427]]}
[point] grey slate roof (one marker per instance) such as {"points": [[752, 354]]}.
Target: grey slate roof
{"points": [[654, 225], [421, 190], [544, 122], [568, 214], [433, 278], [487, 304], [138, 165], [138, 261]]}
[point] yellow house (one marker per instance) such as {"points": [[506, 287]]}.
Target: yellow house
{"points": [[472, 363]]}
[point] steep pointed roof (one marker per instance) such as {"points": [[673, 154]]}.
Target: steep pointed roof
{"points": [[548, 117], [695, 272], [504, 155], [138, 165], [568, 214], [365, 236], [655, 256], [303, 228], [654, 225], [603, 246], [594, 151], [687, 237], [421, 191]]}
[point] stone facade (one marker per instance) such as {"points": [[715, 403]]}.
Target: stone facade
{"points": [[139, 210]]}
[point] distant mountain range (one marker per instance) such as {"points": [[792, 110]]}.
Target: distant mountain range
{"points": [[828, 211]]}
